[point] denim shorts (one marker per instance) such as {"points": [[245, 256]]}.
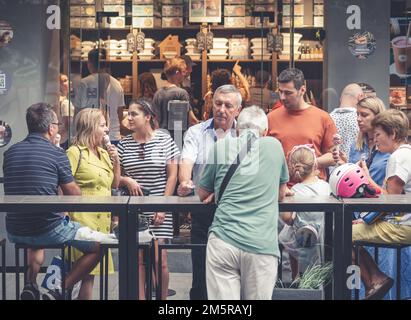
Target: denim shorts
{"points": [[63, 233]]}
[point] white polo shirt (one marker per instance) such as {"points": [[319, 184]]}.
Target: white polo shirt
{"points": [[198, 142]]}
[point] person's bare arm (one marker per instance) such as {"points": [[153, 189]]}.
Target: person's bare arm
{"points": [[243, 80], [70, 189], [184, 176], [282, 192], [395, 185], [192, 118], [205, 196], [326, 160], [172, 169]]}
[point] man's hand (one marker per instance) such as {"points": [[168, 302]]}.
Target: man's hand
{"points": [[185, 188], [339, 157], [209, 199], [288, 192]]}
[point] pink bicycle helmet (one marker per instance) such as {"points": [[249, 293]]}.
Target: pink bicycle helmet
{"points": [[349, 181]]}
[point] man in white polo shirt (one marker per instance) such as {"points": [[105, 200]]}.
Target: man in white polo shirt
{"points": [[198, 142]]}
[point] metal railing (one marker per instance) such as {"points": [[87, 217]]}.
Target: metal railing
{"points": [[338, 218]]}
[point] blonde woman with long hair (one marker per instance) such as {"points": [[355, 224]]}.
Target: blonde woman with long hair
{"points": [[364, 148], [96, 170]]}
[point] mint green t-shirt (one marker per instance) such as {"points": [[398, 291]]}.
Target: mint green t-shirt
{"points": [[247, 213]]}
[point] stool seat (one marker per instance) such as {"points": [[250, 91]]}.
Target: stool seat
{"points": [[376, 245]]}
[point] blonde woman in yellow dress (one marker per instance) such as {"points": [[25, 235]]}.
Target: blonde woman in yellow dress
{"points": [[97, 172]]}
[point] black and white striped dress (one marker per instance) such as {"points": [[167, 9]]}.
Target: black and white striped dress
{"points": [[147, 164]]}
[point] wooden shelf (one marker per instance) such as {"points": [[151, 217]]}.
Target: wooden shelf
{"points": [[299, 60], [239, 60], [188, 27], [152, 60], [110, 61]]}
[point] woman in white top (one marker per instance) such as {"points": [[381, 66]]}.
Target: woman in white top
{"points": [[149, 158], [390, 134]]}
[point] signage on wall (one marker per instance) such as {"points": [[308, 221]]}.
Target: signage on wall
{"points": [[6, 33], [360, 44], [5, 82]]}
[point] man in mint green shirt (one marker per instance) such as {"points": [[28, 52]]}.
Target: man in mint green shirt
{"points": [[242, 249]]}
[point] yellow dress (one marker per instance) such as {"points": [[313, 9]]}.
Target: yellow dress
{"points": [[94, 177]]}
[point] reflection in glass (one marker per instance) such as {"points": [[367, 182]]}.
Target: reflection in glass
{"points": [[5, 133]]}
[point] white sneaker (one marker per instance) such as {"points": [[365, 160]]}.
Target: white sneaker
{"points": [[145, 236], [307, 236]]}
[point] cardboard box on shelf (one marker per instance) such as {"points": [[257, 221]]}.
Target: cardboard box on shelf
{"points": [[82, 11], [167, 22], [172, 11], [116, 22], [234, 22], [114, 2], [143, 22], [234, 11], [142, 10], [84, 23], [115, 8], [83, 2]]}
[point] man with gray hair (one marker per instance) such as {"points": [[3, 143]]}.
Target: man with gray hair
{"points": [[345, 116], [247, 176], [198, 141]]}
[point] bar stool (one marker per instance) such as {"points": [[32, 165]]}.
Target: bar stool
{"points": [[161, 247], [19, 246], [3, 268], [397, 246], [104, 267]]}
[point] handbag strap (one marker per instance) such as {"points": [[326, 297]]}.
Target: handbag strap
{"points": [[240, 156], [79, 158]]}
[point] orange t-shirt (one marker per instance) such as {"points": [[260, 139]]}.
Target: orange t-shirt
{"points": [[311, 125]]}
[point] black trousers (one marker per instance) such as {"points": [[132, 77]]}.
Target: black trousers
{"points": [[200, 223]]}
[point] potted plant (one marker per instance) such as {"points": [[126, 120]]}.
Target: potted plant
{"points": [[307, 287]]}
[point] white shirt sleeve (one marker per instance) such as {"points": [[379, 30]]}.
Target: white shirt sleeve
{"points": [[191, 145], [399, 165]]}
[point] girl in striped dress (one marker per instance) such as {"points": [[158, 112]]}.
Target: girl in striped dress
{"points": [[149, 158]]}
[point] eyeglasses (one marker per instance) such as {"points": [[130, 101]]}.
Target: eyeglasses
{"points": [[57, 123], [141, 151]]}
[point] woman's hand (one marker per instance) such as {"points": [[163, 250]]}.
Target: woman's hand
{"points": [[364, 167], [339, 156], [133, 187], [112, 152], [237, 68], [159, 218]]}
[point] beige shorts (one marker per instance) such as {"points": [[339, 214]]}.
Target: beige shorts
{"points": [[381, 232]]}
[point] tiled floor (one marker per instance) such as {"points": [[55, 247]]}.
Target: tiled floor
{"points": [[180, 282]]}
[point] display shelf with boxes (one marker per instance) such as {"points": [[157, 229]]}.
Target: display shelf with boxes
{"points": [[237, 43]]}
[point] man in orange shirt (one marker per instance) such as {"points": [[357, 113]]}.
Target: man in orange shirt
{"points": [[300, 123]]}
